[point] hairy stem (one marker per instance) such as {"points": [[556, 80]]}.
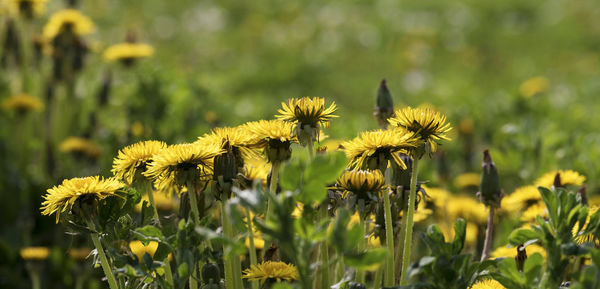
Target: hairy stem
{"points": [[112, 282], [487, 244], [409, 222], [252, 249], [389, 241], [323, 214]]}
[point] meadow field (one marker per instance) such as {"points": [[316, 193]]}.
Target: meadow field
{"points": [[299, 144]]}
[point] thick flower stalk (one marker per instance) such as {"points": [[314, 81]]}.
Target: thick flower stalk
{"points": [[491, 195]]}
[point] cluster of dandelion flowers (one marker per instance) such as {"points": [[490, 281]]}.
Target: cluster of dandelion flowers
{"points": [[134, 159], [373, 149], [429, 124], [68, 19], [22, 103], [308, 114], [127, 52], [179, 164], [271, 271], [72, 192], [275, 137]]}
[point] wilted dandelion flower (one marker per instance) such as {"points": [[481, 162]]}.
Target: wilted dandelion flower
{"points": [[373, 149], [274, 136], [139, 249], [426, 122], [533, 86], [487, 284], [567, 177], [308, 114], [64, 196], [521, 198], [135, 158], [176, 165], [80, 146], [22, 103], [128, 52], [35, 253], [272, 271], [70, 19]]}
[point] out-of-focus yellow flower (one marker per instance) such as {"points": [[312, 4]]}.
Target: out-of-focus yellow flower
{"points": [[137, 129], [537, 209], [26, 8], [62, 197], [79, 254], [466, 126], [134, 159], [128, 51], [68, 19], [470, 236], [487, 284], [439, 197], [466, 180], [533, 86], [163, 201], [23, 103], [297, 213], [426, 122], [580, 239], [139, 249], [368, 150], [421, 213], [521, 198], [81, 146], [374, 241], [257, 169], [567, 177], [35, 253], [259, 242], [271, 270], [506, 252], [467, 208], [330, 145]]}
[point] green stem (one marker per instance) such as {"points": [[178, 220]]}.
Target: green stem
{"points": [[275, 166], [401, 236], [323, 214], [389, 241], [489, 232], [311, 151], [252, 249], [227, 262], [195, 212], [168, 273], [360, 274], [112, 282], [409, 222], [35, 279], [377, 282]]}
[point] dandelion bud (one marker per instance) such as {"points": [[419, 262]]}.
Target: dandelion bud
{"points": [[211, 273], [272, 253], [521, 257], [490, 192], [278, 151], [384, 107], [225, 168], [557, 182]]}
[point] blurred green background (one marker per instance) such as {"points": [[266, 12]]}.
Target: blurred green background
{"points": [[518, 77]]}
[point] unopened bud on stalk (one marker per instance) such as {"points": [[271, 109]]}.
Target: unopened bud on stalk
{"points": [[211, 274], [384, 106], [557, 182], [521, 257], [490, 192], [225, 168]]}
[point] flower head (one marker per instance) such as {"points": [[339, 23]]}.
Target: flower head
{"points": [[373, 149], [567, 177], [534, 86], [429, 124], [64, 196], [139, 249], [164, 202], [307, 111], [257, 169], [23, 103], [487, 284], [274, 136], [80, 146], [27, 8], [467, 180], [361, 182], [181, 163], [71, 19], [35, 253], [134, 159], [535, 210], [127, 52], [241, 141], [271, 270], [521, 198]]}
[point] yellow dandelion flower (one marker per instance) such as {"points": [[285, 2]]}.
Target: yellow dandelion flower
{"points": [[470, 234], [257, 169], [242, 142], [307, 111], [374, 241], [137, 129], [139, 249], [439, 197], [68, 19], [79, 254], [35, 253], [361, 182], [271, 271], [537, 209], [298, 209], [467, 180], [421, 213], [533, 86], [62, 197], [487, 284], [426, 122], [568, 177], [331, 145], [27, 8], [506, 252], [128, 51], [79, 145], [580, 239], [23, 103], [520, 199], [266, 131], [373, 149], [467, 208], [134, 159], [181, 163], [163, 201]]}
